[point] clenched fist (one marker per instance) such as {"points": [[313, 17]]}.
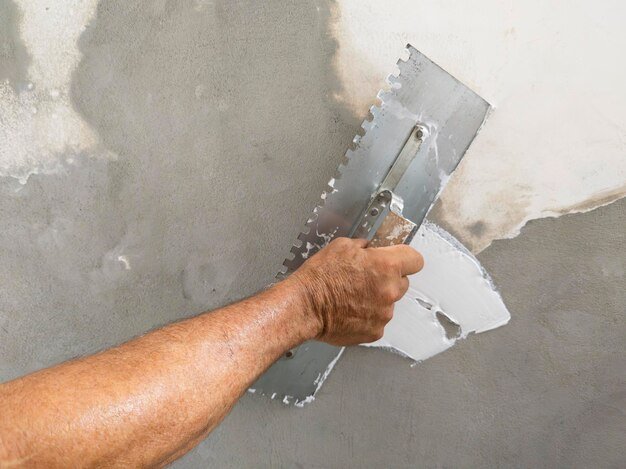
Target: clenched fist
{"points": [[351, 289]]}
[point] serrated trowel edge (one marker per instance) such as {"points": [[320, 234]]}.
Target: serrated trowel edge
{"points": [[364, 165], [300, 250]]}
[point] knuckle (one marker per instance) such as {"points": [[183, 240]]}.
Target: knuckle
{"points": [[390, 264], [393, 293], [404, 287], [388, 295], [388, 314], [340, 242], [345, 244], [407, 250], [404, 249], [377, 334]]}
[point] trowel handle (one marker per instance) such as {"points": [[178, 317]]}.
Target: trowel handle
{"points": [[395, 229]]}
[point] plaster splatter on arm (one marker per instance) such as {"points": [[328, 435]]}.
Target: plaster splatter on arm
{"points": [[450, 298]]}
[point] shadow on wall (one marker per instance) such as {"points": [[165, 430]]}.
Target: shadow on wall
{"points": [[222, 119]]}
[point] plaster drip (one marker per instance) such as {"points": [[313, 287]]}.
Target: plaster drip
{"points": [[450, 298]]}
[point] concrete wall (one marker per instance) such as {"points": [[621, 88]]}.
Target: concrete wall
{"points": [[160, 161]]}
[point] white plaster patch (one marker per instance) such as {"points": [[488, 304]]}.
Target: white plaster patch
{"points": [[39, 130], [453, 283], [557, 140]]}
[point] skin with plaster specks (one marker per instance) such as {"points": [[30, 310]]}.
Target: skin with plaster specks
{"points": [[150, 400]]}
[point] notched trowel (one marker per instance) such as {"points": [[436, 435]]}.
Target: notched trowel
{"points": [[392, 176]]}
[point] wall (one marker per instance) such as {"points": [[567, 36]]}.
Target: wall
{"points": [[158, 158], [555, 142]]}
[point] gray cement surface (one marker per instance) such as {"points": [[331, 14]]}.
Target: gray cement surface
{"points": [[14, 59], [226, 130], [547, 390]]}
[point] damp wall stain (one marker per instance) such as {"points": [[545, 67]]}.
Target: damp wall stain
{"points": [[556, 140]]}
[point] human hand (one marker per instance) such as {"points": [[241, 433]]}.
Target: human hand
{"points": [[351, 289]]}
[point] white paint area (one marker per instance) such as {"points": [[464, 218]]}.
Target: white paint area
{"points": [[555, 73], [453, 283], [40, 131]]}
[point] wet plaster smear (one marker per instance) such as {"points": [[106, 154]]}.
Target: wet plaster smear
{"points": [[450, 298]]}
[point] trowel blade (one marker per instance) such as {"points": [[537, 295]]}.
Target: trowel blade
{"points": [[421, 93]]}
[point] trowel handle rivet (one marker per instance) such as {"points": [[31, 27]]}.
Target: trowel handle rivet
{"points": [[420, 132], [374, 212]]}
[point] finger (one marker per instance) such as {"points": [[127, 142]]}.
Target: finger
{"points": [[387, 314], [404, 286], [377, 334], [409, 260], [360, 242], [344, 242]]}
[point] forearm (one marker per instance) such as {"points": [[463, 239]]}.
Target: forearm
{"points": [[148, 401], [151, 399]]}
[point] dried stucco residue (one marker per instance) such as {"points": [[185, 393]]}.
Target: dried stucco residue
{"points": [[557, 139], [40, 132]]}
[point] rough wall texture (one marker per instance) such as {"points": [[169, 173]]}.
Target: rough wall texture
{"points": [[547, 390], [222, 119], [219, 115]]}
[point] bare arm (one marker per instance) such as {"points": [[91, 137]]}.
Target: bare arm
{"points": [[150, 400]]}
